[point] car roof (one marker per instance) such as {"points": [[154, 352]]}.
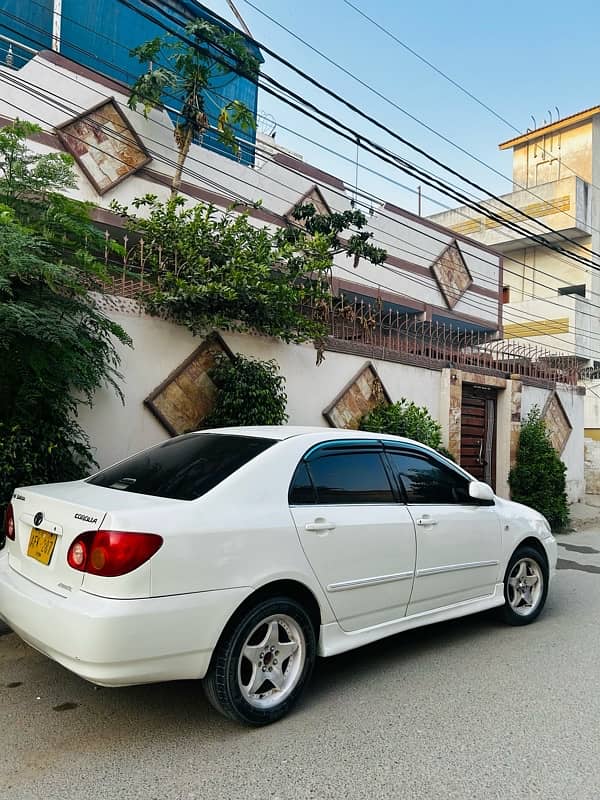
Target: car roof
{"points": [[282, 432]]}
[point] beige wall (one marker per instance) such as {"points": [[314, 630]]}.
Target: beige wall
{"points": [[592, 466], [561, 205], [592, 406], [553, 156], [117, 430], [539, 272], [564, 324], [573, 454]]}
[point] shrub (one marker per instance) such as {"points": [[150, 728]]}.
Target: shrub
{"points": [[249, 392], [405, 418], [57, 450], [538, 477], [56, 346]]}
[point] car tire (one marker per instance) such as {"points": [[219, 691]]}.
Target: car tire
{"points": [[262, 662], [525, 586]]}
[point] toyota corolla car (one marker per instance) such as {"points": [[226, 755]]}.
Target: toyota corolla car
{"points": [[237, 556]]}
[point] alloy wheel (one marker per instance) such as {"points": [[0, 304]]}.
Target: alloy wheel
{"points": [[271, 661], [525, 586]]}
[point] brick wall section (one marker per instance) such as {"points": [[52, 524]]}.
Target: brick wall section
{"points": [[454, 414], [592, 466], [515, 418]]}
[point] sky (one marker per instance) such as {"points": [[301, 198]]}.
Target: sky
{"points": [[519, 58]]}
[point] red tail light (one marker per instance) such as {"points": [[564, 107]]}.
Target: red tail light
{"points": [[9, 522], [112, 553]]}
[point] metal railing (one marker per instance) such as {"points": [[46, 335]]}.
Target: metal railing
{"points": [[384, 333], [10, 52], [377, 330]]}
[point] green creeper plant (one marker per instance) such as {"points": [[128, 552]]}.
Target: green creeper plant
{"points": [[249, 392], [538, 478], [214, 269], [185, 70], [56, 347]]}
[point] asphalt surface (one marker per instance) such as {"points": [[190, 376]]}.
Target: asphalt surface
{"points": [[470, 709]]}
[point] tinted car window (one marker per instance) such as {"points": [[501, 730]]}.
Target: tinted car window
{"points": [[184, 468], [342, 478], [426, 480], [302, 491]]}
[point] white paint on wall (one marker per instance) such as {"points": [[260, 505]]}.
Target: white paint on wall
{"points": [[116, 430]]}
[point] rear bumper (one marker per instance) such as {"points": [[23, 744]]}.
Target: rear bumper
{"points": [[118, 642]]}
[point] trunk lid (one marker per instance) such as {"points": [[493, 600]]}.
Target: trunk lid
{"points": [[47, 520]]}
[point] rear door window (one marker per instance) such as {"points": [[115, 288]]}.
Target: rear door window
{"points": [[184, 468], [302, 491], [345, 477]]}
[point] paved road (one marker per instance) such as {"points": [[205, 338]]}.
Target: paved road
{"points": [[470, 709]]}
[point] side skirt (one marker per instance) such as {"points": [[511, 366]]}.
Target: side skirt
{"points": [[334, 640]]}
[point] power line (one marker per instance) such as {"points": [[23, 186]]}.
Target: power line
{"points": [[337, 266], [469, 94], [398, 107], [385, 232], [323, 55], [396, 160], [433, 181], [228, 64], [430, 65], [367, 117], [455, 83], [34, 91], [517, 262], [290, 201]]}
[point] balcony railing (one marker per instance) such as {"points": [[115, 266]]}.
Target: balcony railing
{"points": [[13, 53], [356, 326]]}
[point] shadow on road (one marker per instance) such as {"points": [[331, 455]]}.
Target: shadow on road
{"points": [[180, 708]]}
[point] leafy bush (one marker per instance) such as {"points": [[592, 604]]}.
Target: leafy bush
{"points": [[214, 269], [57, 450], [405, 418], [249, 392], [538, 477], [56, 347]]}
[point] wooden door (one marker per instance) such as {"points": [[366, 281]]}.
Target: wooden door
{"points": [[478, 432]]}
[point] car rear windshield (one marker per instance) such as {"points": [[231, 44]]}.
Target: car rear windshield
{"points": [[184, 468]]}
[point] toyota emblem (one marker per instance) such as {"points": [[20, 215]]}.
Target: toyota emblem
{"points": [[37, 520]]}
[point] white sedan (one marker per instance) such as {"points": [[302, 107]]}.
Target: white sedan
{"points": [[239, 555]]}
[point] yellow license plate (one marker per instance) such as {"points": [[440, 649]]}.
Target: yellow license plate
{"points": [[41, 545]]}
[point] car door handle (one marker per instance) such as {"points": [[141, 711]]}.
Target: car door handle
{"points": [[427, 522], [319, 525]]}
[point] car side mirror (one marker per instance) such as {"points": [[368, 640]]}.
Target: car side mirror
{"points": [[482, 492]]}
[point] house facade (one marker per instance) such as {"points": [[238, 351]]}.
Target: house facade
{"points": [[425, 325], [551, 299]]}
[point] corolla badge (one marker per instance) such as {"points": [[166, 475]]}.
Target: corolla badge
{"points": [[85, 518]]}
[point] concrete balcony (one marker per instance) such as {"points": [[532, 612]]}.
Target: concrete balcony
{"points": [[562, 205]]}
